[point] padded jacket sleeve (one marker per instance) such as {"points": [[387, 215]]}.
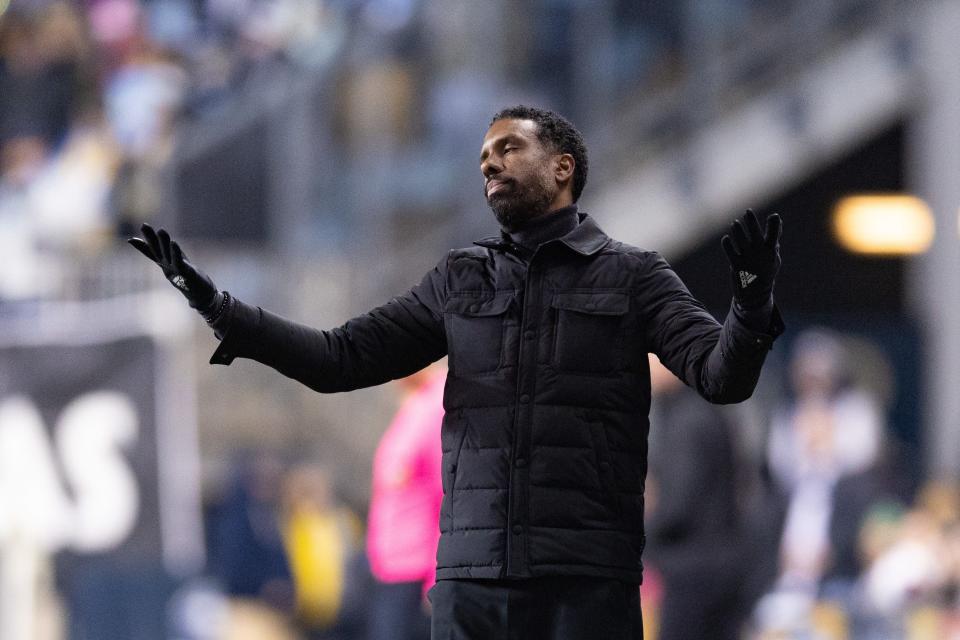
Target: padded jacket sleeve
{"points": [[722, 362], [390, 342]]}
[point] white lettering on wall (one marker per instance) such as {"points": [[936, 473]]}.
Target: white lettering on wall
{"points": [[88, 440]]}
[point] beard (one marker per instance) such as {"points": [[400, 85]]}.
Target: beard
{"points": [[516, 204]]}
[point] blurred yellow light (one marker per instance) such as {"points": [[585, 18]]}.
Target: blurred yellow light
{"points": [[883, 224]]}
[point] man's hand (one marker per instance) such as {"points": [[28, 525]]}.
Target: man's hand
{"points": [[754, 256], [198, 288]]}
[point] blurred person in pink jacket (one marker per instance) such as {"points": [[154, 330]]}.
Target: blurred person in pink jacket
{"points": [[403, 528]]}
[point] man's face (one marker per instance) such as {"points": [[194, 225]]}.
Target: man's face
{"points": [[519, 181]]}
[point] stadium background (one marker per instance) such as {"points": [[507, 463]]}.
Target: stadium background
{"points": [[317, 156]]}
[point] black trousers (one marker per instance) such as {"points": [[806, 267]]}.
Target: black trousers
{"points": [[552, 608]]}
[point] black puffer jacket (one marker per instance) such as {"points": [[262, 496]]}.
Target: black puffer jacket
{"points": [[545, 435]]}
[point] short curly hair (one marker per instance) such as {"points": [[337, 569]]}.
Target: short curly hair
{"points": [[557, 132]]}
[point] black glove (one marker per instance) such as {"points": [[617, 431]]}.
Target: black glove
{"points": [[754, 257], [197, 286]]}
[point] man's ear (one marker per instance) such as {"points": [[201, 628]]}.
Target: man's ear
{"points": [[563, 167]]}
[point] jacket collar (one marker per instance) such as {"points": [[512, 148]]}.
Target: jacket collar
{"points": [[586, 238]]}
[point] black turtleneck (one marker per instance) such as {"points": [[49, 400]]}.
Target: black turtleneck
{"points": [[545, 228]]}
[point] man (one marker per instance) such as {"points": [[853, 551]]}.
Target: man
{"points": [[693, 523], [547, 327]]}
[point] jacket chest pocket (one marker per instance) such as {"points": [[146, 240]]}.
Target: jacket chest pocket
{"points": [[589, 331], [475, 333]]}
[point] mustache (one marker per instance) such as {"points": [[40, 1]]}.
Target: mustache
{"points": [[501, 179]]}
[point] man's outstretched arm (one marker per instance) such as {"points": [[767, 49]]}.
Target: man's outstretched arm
{"points": [[392, 341], [722, 362]]}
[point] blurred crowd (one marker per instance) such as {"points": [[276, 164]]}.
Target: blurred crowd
{"points": [[94, 96], [861, 550], [824, 535], [90, 96], [288, 558]]}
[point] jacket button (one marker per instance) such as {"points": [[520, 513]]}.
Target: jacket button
{"points": [[517, 529], [524, 398], [474, 308], [529, 335], [521, 462]]}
